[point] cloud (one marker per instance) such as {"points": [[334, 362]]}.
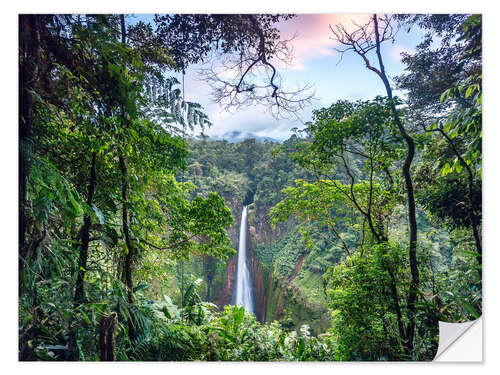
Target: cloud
{"points": [[313, 37], [279, 131], [397, 50], [312, 42], [249, 119]]}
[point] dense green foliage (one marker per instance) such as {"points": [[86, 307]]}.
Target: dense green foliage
{"points": [[355, 150], [128, 223], [247, 171]]}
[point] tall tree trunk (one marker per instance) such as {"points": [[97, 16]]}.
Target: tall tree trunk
{"points": [[127, 266], [29, 52], [130, 250], [127, 269], [414, 282], [85, 238], [79, 298], [127, 272], [107, 332], [394, 293], [397, 308]]}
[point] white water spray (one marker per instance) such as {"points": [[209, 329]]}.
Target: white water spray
{"points": [[243, 282]]}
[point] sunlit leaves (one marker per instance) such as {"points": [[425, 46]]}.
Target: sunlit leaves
{"points": [[465, 123]]}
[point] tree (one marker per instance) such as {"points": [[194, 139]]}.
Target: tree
{"points": [[367, 38], [97, 149], [452, 94], [247, 44], [353, 152], [431, 70]]}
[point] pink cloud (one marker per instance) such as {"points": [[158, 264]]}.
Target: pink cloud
{"points": [[313, 35]]}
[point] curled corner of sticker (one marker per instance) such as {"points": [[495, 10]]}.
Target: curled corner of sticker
{"points": [[460, 342]]}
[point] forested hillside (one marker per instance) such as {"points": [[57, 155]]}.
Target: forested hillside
{"points": [[254, 173], [364, 226]]}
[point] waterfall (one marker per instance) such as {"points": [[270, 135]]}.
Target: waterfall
{"points": [[243, 282]]}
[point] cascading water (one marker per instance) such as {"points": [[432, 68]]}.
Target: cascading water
{"points": [[243, 281]]}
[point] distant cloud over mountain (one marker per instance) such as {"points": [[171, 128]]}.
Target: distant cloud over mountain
{"points": [[239, 136], [314, 62]]}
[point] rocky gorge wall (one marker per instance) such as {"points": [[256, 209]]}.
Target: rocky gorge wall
{"points": [[275, 297]]}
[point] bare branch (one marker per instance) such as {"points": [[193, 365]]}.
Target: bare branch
{"points": [[251, 77], [362, 40]]}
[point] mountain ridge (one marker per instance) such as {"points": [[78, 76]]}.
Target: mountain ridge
{"points": [[235, 136]]}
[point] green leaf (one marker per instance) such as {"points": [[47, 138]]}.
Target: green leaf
{"points": [[468, 253], [27, 318], [470, 308], [85, 317], [446, 169], [469, 91]]}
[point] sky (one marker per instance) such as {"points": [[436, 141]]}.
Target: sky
{"points": [[315, 62]]}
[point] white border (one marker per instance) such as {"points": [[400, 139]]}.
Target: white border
{"points": [[8, 149]]}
